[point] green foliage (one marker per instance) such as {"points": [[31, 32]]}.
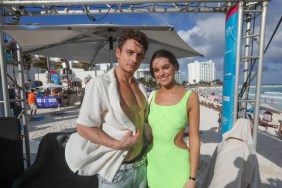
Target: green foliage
{"points": [[152, 84], [184, 83]]}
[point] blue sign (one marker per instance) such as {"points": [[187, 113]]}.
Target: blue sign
{"points": [[229, 69], [55, 78]]}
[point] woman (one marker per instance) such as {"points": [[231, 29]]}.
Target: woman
{"points": [[170, 162]]}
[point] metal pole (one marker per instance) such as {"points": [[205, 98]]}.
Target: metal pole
{"points": [[259, 70], [247, 60], [238, 57], [86, 2], [48, 67], [4, 88], [23, 104], [111, 41]]}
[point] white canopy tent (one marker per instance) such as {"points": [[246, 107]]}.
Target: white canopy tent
{"points": [[92, 43]]}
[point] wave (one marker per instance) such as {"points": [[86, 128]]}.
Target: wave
{"points": [[267, 96], [273, 93], [276, 95]]}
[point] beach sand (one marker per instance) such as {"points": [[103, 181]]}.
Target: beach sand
{"points": [[269, 146]]}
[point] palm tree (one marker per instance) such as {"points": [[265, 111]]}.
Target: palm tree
{"points": [[81, 65], [143, 81]]}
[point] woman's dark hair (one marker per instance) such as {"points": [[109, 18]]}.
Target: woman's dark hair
{"points": [[139, 36], [166, 54]]}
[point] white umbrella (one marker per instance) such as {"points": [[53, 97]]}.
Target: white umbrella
{"points": [[51, 85], [92, 43]]}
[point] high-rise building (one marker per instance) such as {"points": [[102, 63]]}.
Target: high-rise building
{"points": [[143, 73], [201, 71]]}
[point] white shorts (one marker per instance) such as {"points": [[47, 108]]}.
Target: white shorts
{"points": [[33, 106]]}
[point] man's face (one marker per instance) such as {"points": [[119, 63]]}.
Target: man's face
{"points": [[130, 56]]}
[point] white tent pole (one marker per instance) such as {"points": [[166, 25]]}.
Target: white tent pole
{"points": [[238, 57], [23, 104], [4, 78], [259, 69]]}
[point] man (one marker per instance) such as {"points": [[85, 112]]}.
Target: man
{"points": [[31, 100], [109, 139]]}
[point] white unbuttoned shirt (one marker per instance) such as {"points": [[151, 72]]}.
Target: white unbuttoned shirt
{"points": [[101, 108]]}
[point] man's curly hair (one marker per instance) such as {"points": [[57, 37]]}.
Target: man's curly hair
{"points": [[139, 36]]}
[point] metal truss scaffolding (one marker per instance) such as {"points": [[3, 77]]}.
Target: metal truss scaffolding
{"points": [[249, 11]]}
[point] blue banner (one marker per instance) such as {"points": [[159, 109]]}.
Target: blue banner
{"points": [[229, 69], [55, 78]]}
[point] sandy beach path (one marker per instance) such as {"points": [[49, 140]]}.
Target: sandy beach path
{"points": [[269, 147], [55, 120]]}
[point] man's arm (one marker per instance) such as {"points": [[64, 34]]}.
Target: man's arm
{"points": [[98, 136]]}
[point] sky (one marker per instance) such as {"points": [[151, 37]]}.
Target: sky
{"points": [[205, 32]]}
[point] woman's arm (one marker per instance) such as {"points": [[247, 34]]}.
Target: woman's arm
{"points": [[193, 111]]}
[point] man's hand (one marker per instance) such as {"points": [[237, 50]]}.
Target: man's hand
{"points": [[127, 141]]}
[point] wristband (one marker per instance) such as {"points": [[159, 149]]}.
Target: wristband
{"points": [[192, 178]]}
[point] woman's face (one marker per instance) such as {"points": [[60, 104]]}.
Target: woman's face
{"points": [[164, 71]]}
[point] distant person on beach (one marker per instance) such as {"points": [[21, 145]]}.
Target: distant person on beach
{"points": [[279, 129], [65, 98], [171, 162], [109, 139], [31, 100], [219, 121], [59, 99]]}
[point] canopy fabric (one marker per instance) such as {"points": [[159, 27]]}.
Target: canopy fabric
{"points": [[51, 85], [90, 43]]}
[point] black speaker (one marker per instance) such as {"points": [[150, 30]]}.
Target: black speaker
{"points": [[11, 151]]}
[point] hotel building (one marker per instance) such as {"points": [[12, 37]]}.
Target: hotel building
{"points": [[201, 71]]}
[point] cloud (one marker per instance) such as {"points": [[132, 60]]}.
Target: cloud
{"points": [[207, 36]]}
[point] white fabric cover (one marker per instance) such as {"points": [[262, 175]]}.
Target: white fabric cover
{"points": [[234, 163]]}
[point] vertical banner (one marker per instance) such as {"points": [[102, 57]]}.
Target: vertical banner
{"points": [[229, 69]]}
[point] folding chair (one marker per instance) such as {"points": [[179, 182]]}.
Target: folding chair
{"points": [[50, 168], [11, 151]]}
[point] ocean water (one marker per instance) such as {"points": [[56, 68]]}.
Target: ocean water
{"points": [[271, 95]]}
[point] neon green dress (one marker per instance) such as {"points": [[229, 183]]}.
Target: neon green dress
{"points": [[168, 165]]}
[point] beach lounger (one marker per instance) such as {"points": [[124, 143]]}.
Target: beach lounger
{"points": [[11, 151], [274, 123], [50, 169]]}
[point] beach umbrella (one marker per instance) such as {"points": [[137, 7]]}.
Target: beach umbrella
{"points": [[93, 43], [268, 107], [215, 97], [51, 85]]}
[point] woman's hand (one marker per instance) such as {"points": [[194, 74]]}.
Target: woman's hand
{"points": [[190, 184]]}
